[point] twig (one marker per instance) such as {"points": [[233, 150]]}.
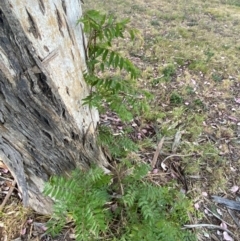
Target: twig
{"points": [[5, 178], [155, 157], [8, 195], [210, 226], [218, 217], [176, 155], [235, 219]]}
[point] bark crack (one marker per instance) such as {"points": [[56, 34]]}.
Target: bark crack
{"points": [[64, 6], [41, 6], [69, 31], [33, 26], [59, 21]]}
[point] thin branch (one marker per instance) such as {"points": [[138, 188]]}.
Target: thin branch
{"points": [[209, 226], [8, 195], [235, 219], [5, 178], [176, 155], [218, 217], [156, 154]]}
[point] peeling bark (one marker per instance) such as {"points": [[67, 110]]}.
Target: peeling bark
{"points": [[44, 129]]}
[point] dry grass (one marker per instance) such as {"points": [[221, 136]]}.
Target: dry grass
{"points": [[13, 218]]}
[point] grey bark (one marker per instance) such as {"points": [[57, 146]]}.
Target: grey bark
{"points": [[40, 134]]}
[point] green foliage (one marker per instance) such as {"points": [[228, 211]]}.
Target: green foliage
{"points": [[155, 23], [82, 199], [117, 90], [217, 77], [198, 65], [143, 210], [209, 54], [169, 71], [231, 2], [118, 145], [175, 98]]}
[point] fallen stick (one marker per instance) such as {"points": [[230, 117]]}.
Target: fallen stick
{"points": [[8, 195], [156, 154], [210, 226], [218, 217]]}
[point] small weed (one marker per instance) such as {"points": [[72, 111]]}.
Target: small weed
{"points": [[177, 113], [190, 90], [199, 66], [157, 80], [192, 22], [153, 115], [194, 123], [198, 102], [209, 54], [171, 17], [175, 98], [184, 33], [168, 72], [138, 8], [155, 22], [146, 143], [217, 77], [180, 61], [226, 47]]}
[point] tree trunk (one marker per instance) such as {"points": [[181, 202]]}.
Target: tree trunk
{"points": [[44, 129]]}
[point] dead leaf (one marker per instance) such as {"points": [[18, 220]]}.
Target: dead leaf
{"points": [[227, 237], [237, 100], [234, 189], [197, 206], [204, 194], [232, 118], [176, 142], [23, 231], [164, 166], [219, 212], [155, 171], [223, 225]]}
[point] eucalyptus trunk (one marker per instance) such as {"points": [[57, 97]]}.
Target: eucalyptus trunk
{"points": [[44, 128]]}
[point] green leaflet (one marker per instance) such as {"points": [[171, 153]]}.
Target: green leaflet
{"points": [[144, 211], [101, 31]]}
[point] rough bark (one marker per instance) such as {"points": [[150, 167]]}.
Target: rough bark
{"points": [[44, 129]]}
